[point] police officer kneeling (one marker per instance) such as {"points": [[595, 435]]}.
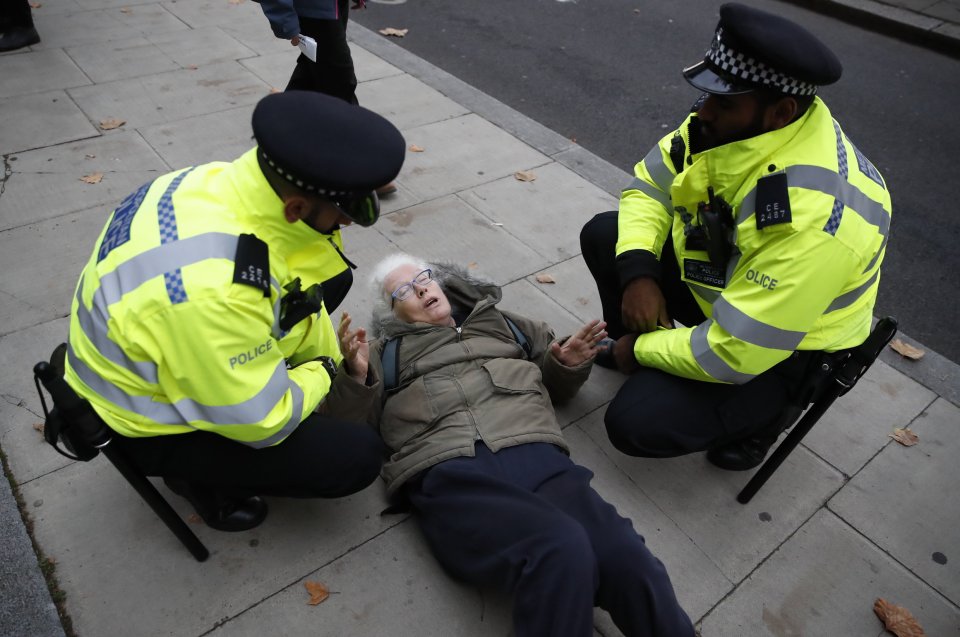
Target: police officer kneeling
{"points": [[759, 226], [199, 334]]}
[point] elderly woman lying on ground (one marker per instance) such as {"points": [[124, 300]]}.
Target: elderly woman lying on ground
{"points": [[478, 453]]}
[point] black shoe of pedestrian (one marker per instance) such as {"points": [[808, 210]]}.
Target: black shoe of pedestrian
{"points": [[13, 38], [604, 357], [218, 511], [740, 455]]}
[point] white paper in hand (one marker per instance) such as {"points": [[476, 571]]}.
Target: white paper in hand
{"points": [[308, 46]]}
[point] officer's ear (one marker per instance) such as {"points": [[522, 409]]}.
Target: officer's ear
{"points": [[781, 113], [295, 208]]}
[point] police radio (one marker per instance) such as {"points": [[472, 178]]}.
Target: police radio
{"points": [[716, 218]]}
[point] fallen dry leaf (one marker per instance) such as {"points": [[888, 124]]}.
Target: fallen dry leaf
{"points": [[906, 350], [111, 122], [88, 156], [525, 175], [125, 10], [318, 592], [582, 301], [92, 178], [397, 33], [192, 67], [545, 278], [472, 265], [897, 619], [275, 90], [905, 437], [38, 426], [415, 149], [35, 5], [193, 518], [235, 1]]}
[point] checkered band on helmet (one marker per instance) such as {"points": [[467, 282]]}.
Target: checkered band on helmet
{"points": [[744, 67], [299, 183]]}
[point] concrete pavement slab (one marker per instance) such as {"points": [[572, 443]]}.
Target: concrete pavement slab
{"points": [[30, 249], [60, 6], [46, 183], [698, 582], [255, 34], [215, 14], [447, 229], [221, 136], [197, 47], [26, 609], [407, 102], [274, 69], [448, 164], [27, 457], [124, 573], [823, 581], [700, 498], [856, 426], [574, 289], [546, 213], [368, 66], [43, 119], [167, 97], [75, 28], [390, 585], [901, 500], [111, 4], [38, 72], [121, 59]]}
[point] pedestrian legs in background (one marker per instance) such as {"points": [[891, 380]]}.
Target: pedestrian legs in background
{"points": [[16, 25], [332, 73]]}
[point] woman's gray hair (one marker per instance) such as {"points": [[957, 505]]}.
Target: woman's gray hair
{"points": [[380, 272]]}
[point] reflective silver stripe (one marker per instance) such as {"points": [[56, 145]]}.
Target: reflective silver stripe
{"points": [[708, 359], [750, 330], [658, 170], [185, 411], [707, 294], [849, 298], [829, 183], [876, 257], [156, 261], [297, 394], [94, 326], [128, 276], [652, 192]]}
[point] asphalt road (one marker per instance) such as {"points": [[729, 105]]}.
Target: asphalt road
{"points": [[606, 73]]}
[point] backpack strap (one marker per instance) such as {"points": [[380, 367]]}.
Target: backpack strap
{"points": [[391, 363], [518, 336]]}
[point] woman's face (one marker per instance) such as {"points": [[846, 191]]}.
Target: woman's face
{"points": [[426, 304]]}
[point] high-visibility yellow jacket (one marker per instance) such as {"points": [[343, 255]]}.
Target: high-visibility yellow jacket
{"points": [[804, 283], [168, 335]]}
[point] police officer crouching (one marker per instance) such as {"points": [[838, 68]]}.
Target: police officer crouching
{"points": [[199, 332], [760, 227]]}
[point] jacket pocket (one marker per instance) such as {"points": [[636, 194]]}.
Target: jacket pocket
{"points": [[514, 376], [406, 414]]}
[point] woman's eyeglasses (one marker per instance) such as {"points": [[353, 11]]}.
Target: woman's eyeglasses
{"points": [[404, 291]]}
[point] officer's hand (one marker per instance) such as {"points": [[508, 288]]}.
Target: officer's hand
{"points": [[623, 353], [581, 346], [355, 349], [295, 40], [644, 306]]}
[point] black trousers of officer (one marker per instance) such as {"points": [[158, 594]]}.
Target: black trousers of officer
{"points": [[332, 74], [323, 458], [526, 521], [659, 415]]}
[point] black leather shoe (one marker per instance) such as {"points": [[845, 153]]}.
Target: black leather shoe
{"points": [[218, 511], [740, 455], [604, 356], [13, 38]]}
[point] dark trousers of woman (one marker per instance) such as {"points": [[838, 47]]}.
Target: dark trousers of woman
{"points": [[322, 458], [332, 74], [659, 415], [526, 521]]}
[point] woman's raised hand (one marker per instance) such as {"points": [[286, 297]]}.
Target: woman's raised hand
{"points": [[582, 346]]}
